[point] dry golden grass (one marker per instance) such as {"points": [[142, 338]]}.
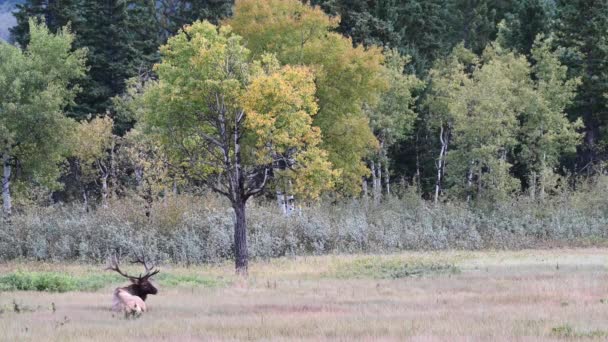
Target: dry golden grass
{"points": [[498, 296]]}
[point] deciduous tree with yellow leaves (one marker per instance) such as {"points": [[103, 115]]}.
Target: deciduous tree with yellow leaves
{"points": [[346, 77], [228, 122]]}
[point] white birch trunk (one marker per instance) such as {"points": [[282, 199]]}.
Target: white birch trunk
{"points": [[6, 184], [469, 182], [542, 177], [104, 191], [379, 180], [387, 179], [374, 181], [440, 163]]}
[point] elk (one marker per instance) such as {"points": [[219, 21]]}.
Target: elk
{"points": [[131, 299]]}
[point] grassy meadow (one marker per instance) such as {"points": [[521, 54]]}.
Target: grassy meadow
{"points": [[423, 296]]}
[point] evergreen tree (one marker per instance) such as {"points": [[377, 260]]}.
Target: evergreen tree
{"points": [[524, 22], [121, 37], [174, 14], [473, 22], [55, 13], [582, 27]]}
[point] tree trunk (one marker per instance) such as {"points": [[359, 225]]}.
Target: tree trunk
{"points": [[417, 176], [542, 177], [374, 181], [379, 180], [469, 182], [240, 238], [533, 186], [6, 184], [104, 191], [440, 163], [387, 179]]}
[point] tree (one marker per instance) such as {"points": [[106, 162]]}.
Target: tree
{"points": [[226, 122], [144, 165], [393, 117], [173, 14], [446, 82], [55, 13], [346, 77], [498, 110], [121, 43], [524, 22], [474, 21], [545, 131], [93, 149], [35, 87], [581, 28], [480, 105]]}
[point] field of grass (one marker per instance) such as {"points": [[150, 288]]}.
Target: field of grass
{"points": [[443, 296]]}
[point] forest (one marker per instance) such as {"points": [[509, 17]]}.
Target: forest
{"points": [[199, 131]]}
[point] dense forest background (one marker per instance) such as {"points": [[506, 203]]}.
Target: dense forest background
{"points": [[474, 102]]}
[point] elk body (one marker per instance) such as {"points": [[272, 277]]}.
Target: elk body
{"points": [[131, 305], [131, 299]]}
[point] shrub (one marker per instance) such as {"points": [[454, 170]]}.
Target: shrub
{"points": [[192, 230]]}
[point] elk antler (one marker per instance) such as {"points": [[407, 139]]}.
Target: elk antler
{"points": [[113, 266], [150, 270]]}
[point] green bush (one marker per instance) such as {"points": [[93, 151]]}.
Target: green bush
{"points": [[37, 281]]}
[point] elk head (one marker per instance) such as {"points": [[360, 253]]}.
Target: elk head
{"points": [[140, 286]]}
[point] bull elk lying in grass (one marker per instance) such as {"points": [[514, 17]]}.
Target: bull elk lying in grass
{"points": [[131, 299]]}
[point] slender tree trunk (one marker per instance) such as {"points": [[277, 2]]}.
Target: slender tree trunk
{"points": [[387, 179], [104, 191], [365, 192], [112, 171], [533, 186], [379, 180], [374, 181], [240, 238], [6, 186], [479, 184], [417, 176], [542, 177], [440, 163], [469, 182]]}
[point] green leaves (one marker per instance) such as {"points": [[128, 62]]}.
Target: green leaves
{"points": [[346, 77], [35, 86], [501, 111], [221, 116]]}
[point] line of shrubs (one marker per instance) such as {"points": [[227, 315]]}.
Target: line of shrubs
{"points": [[192, 230]]}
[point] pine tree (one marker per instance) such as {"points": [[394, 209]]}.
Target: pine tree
{"points": [[524, 22], [581, 27], [121, 36], [55, 13], [174, 14]]}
